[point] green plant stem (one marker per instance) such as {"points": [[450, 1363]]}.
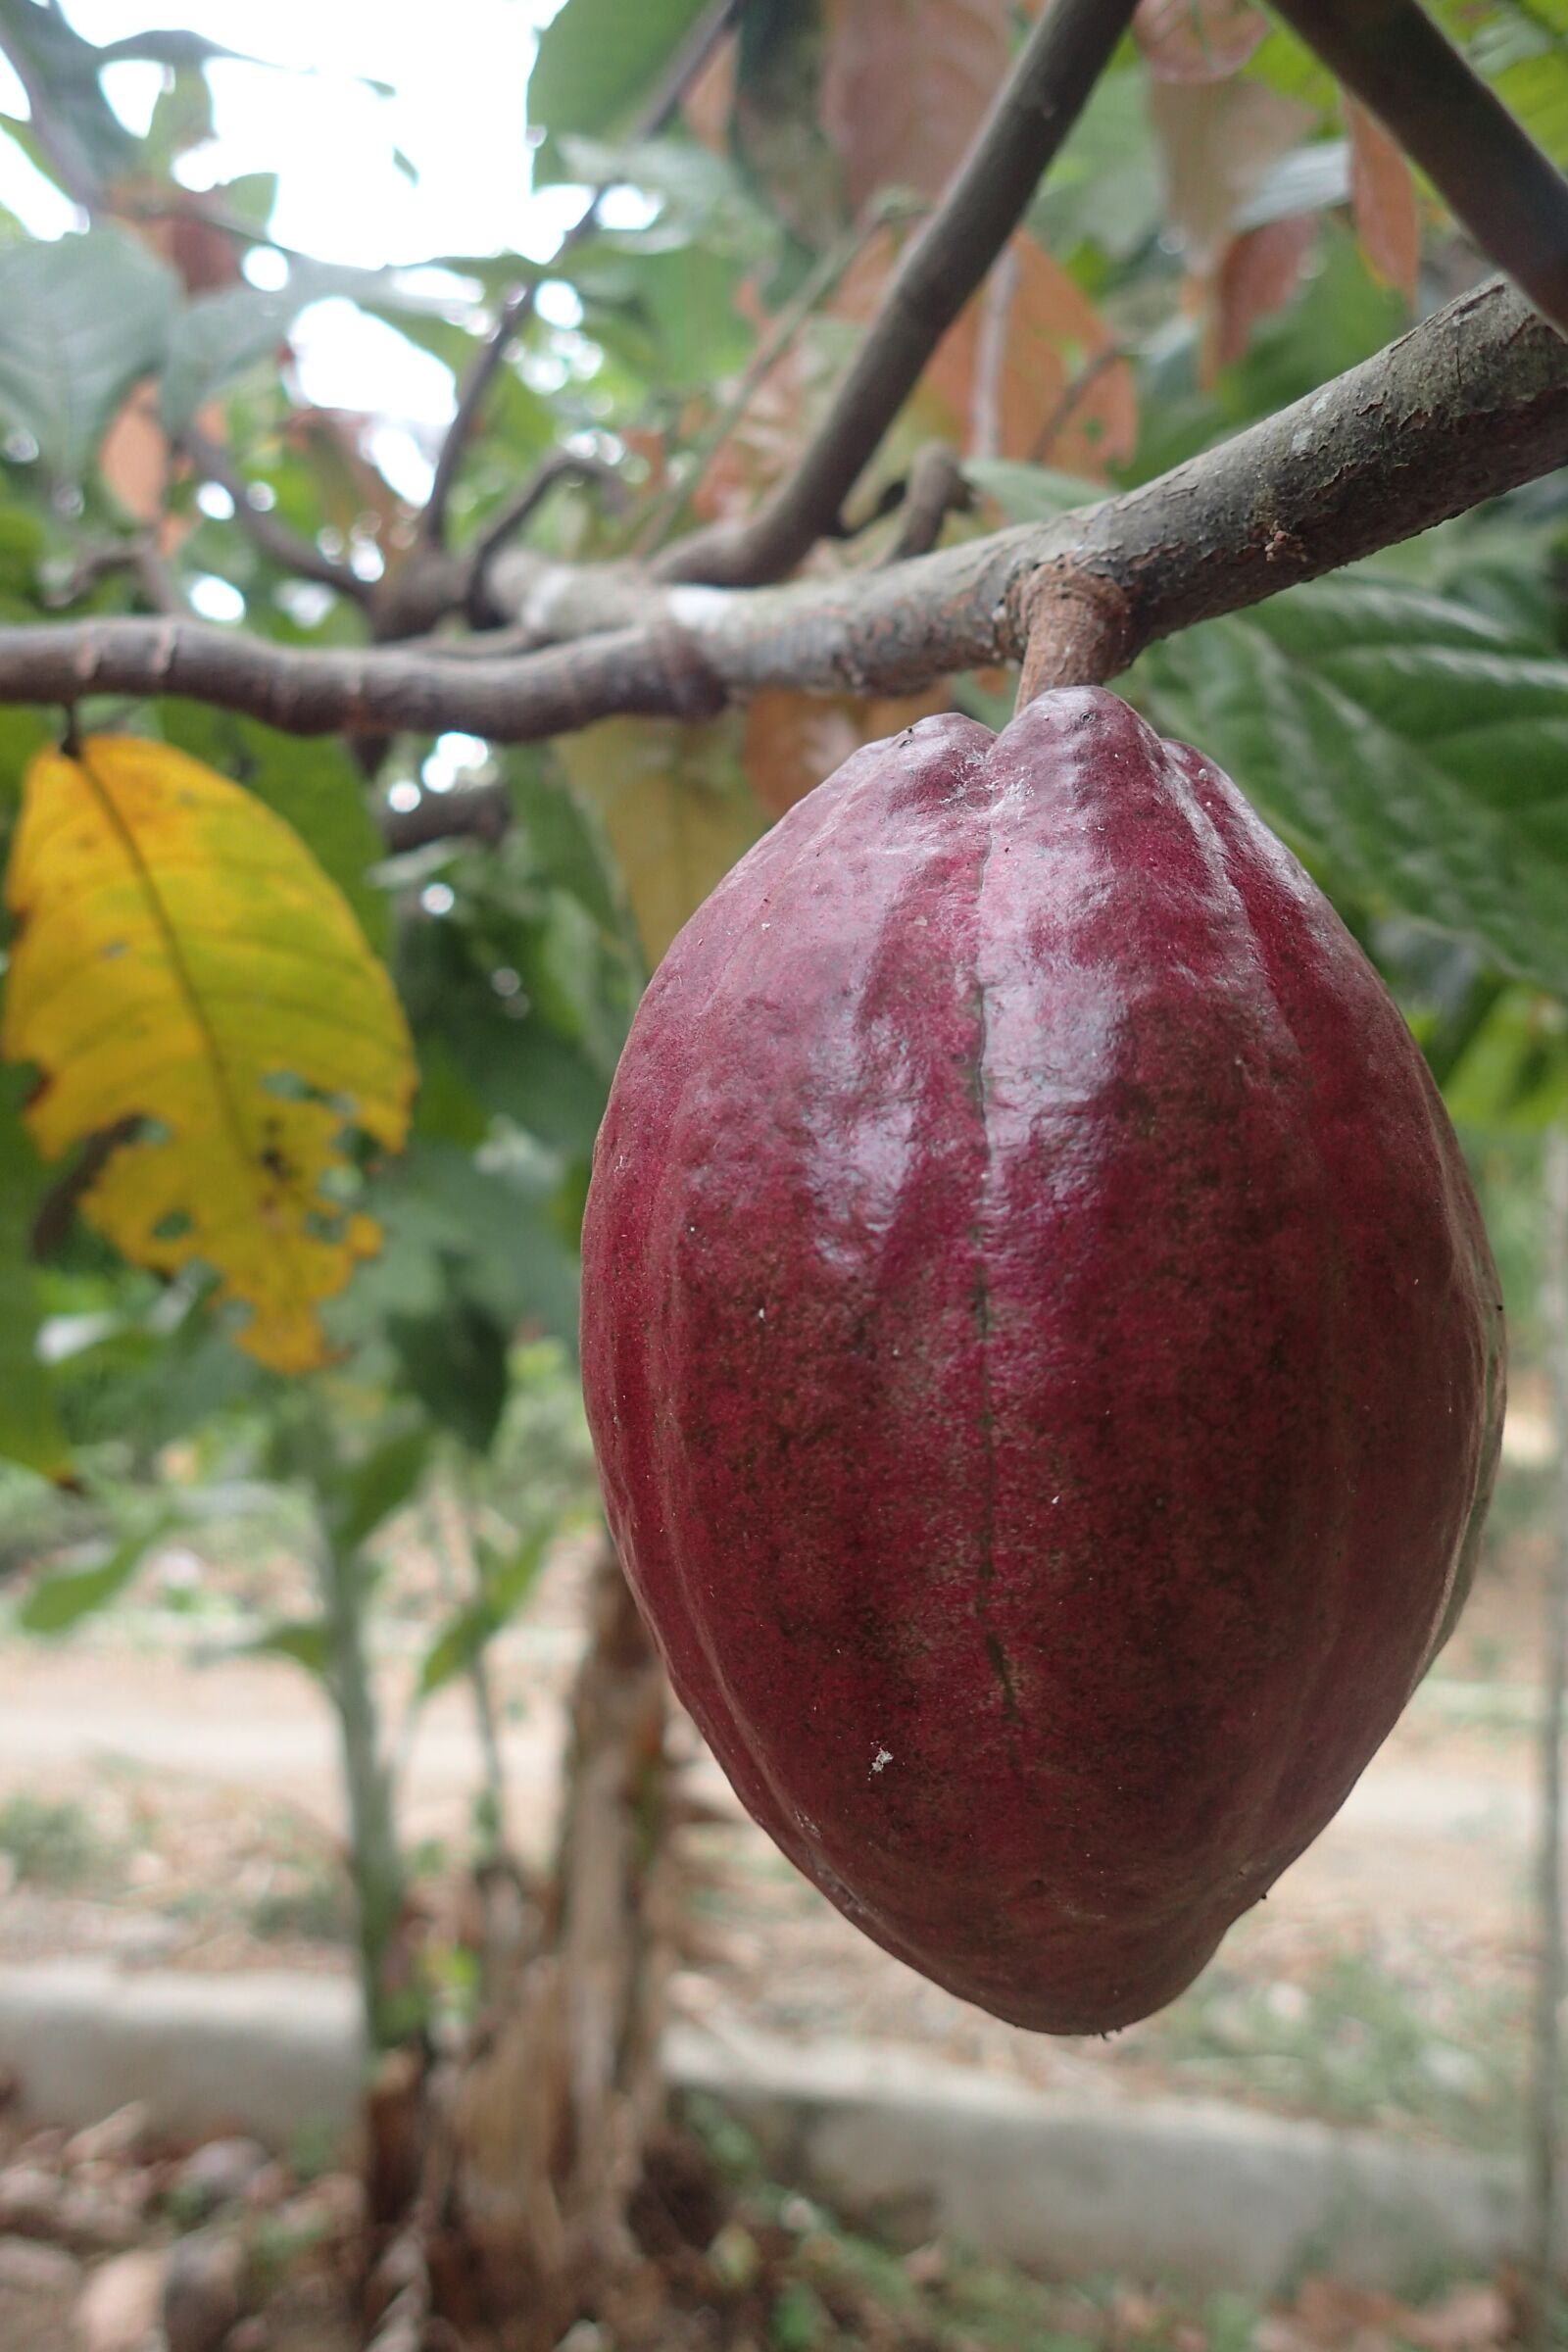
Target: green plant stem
{"points": [[452, 1539], [376, 1864]]}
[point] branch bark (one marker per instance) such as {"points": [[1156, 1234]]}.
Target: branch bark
{"points": [[1509, 196], [1472, 402], [1034, 111]]}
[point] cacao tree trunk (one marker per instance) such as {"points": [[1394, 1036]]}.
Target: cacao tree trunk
{"points": [[535, 2146]]}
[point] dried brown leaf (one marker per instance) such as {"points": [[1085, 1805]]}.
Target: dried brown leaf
{"points": [[906, 84], [710, 97], [1259, 272], [1198, 41], [1383, 198], [133, 456], [1218, 139], [120, 2306], [1000, 374], [794, 741]]}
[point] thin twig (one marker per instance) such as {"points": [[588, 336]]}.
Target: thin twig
{"points": [[991, 355], [1513, 201], [1552, 1976], [1073, 393], [1033, 112], [99, 561], [819, 286], [558, 466], [157, 581], [276, 538], [688, 61], [936, 488], [1472, 402], [515, 314]]}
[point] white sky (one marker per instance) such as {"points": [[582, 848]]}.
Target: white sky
{"points": [[460, 69]]}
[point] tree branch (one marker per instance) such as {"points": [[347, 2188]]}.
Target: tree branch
{"points": [[284, 545], [557, 466], [1034, 111], [936, 489], [687, 62], [516, 313], [1471, 403], [821, 282], [1513, 201]]}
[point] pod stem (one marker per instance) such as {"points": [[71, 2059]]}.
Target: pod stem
{"points": [[1080, 630]]}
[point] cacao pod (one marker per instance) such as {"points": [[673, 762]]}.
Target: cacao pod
{"points": [[1042, 1349]]}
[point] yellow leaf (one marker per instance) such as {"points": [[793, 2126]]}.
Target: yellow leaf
{"points": [[673, 802], [183, 966]]}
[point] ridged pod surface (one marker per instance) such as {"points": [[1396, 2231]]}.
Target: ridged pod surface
{"points": [[1042, 1349]]}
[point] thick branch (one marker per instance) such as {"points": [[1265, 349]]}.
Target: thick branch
{"points": [[1034, 111], [1511, 199], [1471, 403]]}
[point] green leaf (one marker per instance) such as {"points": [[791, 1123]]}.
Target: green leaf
{"points": [[80, 321], [701, 194], [305, 1640], [23, 547], [506, 1585], [1514, 1071], [1402, 740], [454, 1362], [455, 1647], [563, 840], [59, 1600], [181, 119], [90, 139], [454, 1230], [1030, 493], [213, 340], [1105, 188], [600, 56], [671, 309], [30, 1422], [377, 1486], [249, 198]]}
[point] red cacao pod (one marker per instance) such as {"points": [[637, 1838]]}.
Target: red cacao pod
{"points": [[1041, 1350]]}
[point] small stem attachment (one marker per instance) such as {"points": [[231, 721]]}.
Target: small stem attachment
{"points": [[1080, 630]]}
